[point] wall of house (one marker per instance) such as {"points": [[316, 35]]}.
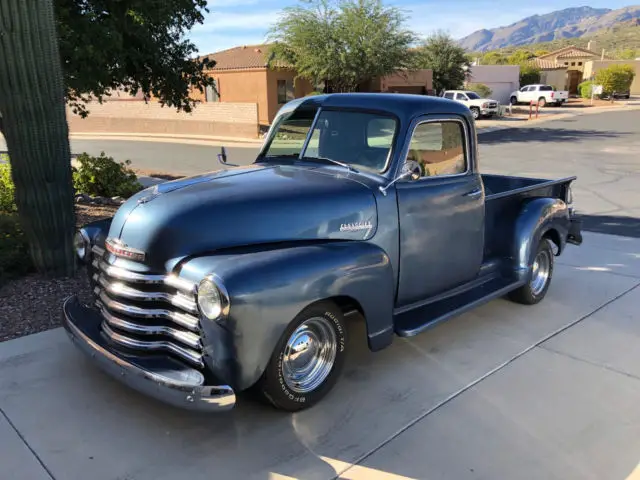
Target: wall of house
{"points": [[210, 119], [299, 88], [592, 67], [241, 86], [556, 78], [501, 79]]}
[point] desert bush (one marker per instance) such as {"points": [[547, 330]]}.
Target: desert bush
{"points": [[481, 89], [103, 176], [7, 188], [615, 78], [14, 249]]}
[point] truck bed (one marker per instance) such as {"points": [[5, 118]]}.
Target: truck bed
{"points": [[504, 196]]}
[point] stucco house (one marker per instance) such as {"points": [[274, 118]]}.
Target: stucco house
{"points": [[241, 75]]}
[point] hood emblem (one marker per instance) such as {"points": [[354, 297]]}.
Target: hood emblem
{"points": [[120, 249], [355, 227]]}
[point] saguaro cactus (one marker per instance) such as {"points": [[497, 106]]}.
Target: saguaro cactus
{"points": [[32, 105]]}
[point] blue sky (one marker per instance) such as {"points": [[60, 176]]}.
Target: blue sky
{"points": [[245, 22]]}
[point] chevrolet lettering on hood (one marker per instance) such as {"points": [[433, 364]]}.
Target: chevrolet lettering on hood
{"points": [[355, 227]]}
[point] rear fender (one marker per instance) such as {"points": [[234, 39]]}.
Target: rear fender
{"points": [[268, 288], [538, 217]]}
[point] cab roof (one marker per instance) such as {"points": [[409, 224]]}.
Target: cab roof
{"points": [[404, 106]]}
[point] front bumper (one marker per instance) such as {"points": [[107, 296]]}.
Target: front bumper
{"points": [[489, 112], [161, 378]]}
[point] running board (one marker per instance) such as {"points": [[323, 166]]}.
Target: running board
{"points": [[413, 322]]}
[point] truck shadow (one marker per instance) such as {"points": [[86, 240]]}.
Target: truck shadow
{"points": [[547, 135], [623, 226]]}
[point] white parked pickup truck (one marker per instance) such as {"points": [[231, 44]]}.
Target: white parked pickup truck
{"points": [[480, 107], [542, 94]]}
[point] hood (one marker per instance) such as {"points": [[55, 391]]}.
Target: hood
{"points": [[244, 206]]}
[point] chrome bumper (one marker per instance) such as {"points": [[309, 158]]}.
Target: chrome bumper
{"points": [[163, 379]]}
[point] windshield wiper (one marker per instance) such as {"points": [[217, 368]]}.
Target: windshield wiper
{"points": [[335, 162]]}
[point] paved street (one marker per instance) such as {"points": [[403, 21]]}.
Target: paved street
{"points": [[503, 392]]}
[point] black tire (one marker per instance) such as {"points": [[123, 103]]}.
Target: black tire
{"points": [[529, 294], [542, 102], [513, 100], [475, 112], [273, 385]]}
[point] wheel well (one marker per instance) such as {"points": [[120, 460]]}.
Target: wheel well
{"points": [[348, 305], [553, 235]]}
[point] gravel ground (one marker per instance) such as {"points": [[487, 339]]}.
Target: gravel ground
{"points": [[33, 303]]}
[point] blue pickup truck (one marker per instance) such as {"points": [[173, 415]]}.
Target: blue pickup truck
{"points": [[359, 207]]}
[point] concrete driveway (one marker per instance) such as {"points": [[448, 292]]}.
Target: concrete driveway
{"points": [[504, 392]]}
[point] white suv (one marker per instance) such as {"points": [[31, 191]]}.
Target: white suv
{"points": [[480, 107]]}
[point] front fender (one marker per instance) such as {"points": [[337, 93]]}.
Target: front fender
{"points": [[268, 288], [537, 218]]}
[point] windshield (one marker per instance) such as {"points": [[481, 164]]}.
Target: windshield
{"points": [[473, 96], [359, 139]]}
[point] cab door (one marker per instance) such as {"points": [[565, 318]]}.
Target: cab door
{"points": [[441, 215]]}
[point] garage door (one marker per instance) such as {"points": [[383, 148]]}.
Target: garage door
{"points": [[502, 91]]}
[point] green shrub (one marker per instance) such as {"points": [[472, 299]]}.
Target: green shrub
{"points": [[481, 89], [7, 188], [103, 176], [14, 249], [529, 74], [584, 89], [615, 78]]}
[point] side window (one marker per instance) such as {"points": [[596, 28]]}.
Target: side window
{"points": [[461, 96], [449, 95], [546, 88], [524, 89], [439, 148]]}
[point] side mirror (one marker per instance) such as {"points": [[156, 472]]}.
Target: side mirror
{"points": [[410, 171], [222, 156]]}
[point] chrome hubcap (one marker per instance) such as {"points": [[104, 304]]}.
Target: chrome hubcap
{"points": [[309, 355], [540, 273]]}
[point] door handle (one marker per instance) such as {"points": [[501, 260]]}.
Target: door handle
{"points": [[474, 193]]}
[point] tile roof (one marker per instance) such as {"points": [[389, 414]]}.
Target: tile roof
{"points": [[242, 58], [545, 64], [570, 52]]}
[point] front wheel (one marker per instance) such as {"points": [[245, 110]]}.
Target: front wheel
{"points": [[536, 289], [475, 112], [307, 360], [513, 100]]}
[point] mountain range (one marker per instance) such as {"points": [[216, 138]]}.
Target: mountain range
{"points": [[562, 24]]}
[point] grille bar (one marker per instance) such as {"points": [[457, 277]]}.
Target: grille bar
{"points": [[134, 277], [124, 291], [189, 355], [188, 321], [188, 338]]}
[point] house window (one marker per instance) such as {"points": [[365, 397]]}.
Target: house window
{"points": [[566, 64], [579, 64], [285, 91], [212, 92], [573, 64]]}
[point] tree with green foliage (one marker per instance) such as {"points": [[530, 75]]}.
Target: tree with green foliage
{"points": [[541, 53], [448, 61], [529, 74], [137, 45], [627, 54], [615, 79], [480, 88], [520, 57], [341, 43], [494, 58]]}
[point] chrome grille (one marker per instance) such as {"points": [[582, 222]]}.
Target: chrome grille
{"points": [[493, 104], [147, 312]]}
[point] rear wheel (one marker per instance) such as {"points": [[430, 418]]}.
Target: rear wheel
{"points": [[542, 101], [307, 360], [536, 289]]}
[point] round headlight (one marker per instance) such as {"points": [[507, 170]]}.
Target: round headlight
{"points": [[209, 299], [81, 244]]}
